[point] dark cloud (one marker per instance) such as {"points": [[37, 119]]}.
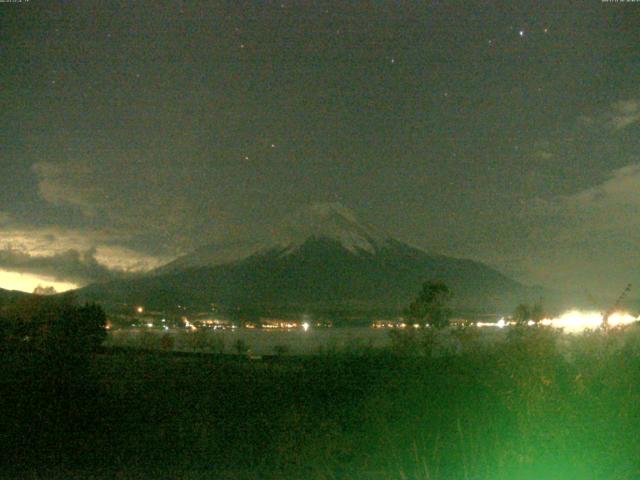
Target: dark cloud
{"points": [[617, 116], [624, 113], [70, 266], [69, 183], [141, 200], [105, 245], [586, 239]]}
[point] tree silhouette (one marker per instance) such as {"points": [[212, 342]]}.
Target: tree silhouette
{"points": [[524, 313], [53, 325], [431, 306]]}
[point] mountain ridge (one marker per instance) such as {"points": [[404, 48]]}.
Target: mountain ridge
{"points": [[320, 258], [12, 295], [320, 220]]}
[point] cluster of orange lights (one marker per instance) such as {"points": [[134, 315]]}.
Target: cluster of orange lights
{"points": [[388, 324], [281, 325], [573, 321]]}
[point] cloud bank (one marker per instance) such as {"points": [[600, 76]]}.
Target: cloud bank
{"points": [[70, 266], [586, 240], [139, 199]]}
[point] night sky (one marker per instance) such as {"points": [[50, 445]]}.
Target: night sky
{"points": [[506, 132]]}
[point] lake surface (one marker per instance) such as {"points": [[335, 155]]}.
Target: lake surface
{"points": [[268, 342]]}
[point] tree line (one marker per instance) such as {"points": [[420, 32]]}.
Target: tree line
{"points": [[431, 308], [51, 324]]}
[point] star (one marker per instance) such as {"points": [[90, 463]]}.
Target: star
{"points": [[521, 33]]}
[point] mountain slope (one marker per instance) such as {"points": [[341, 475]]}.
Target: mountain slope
{"points": [[9, 297], [321, 220], [321, 258]]}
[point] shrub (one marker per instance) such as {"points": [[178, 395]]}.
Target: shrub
{"points": [[280, 350], [241, 347], [54, 325], [167, 342]]}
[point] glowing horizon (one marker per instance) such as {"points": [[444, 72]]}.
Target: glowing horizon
{"points": [[27, 282], [576, 321]]}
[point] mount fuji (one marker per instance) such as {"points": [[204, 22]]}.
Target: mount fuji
{"points": [[320, 259], [329, 221]]}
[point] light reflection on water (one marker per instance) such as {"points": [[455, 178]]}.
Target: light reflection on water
{"points": [[326, 340], [267, 342]]}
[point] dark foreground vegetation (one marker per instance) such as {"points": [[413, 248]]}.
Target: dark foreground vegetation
{"points": [[533, 407]]}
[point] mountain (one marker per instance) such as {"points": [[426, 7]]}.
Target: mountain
{"points": [[9, 296], [319, 259], [322, 220]]}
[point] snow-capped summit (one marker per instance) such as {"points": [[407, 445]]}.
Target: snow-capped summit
{"points": [[332, 221]]}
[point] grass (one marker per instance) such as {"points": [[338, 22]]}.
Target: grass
{"points": [[537, 406]]}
